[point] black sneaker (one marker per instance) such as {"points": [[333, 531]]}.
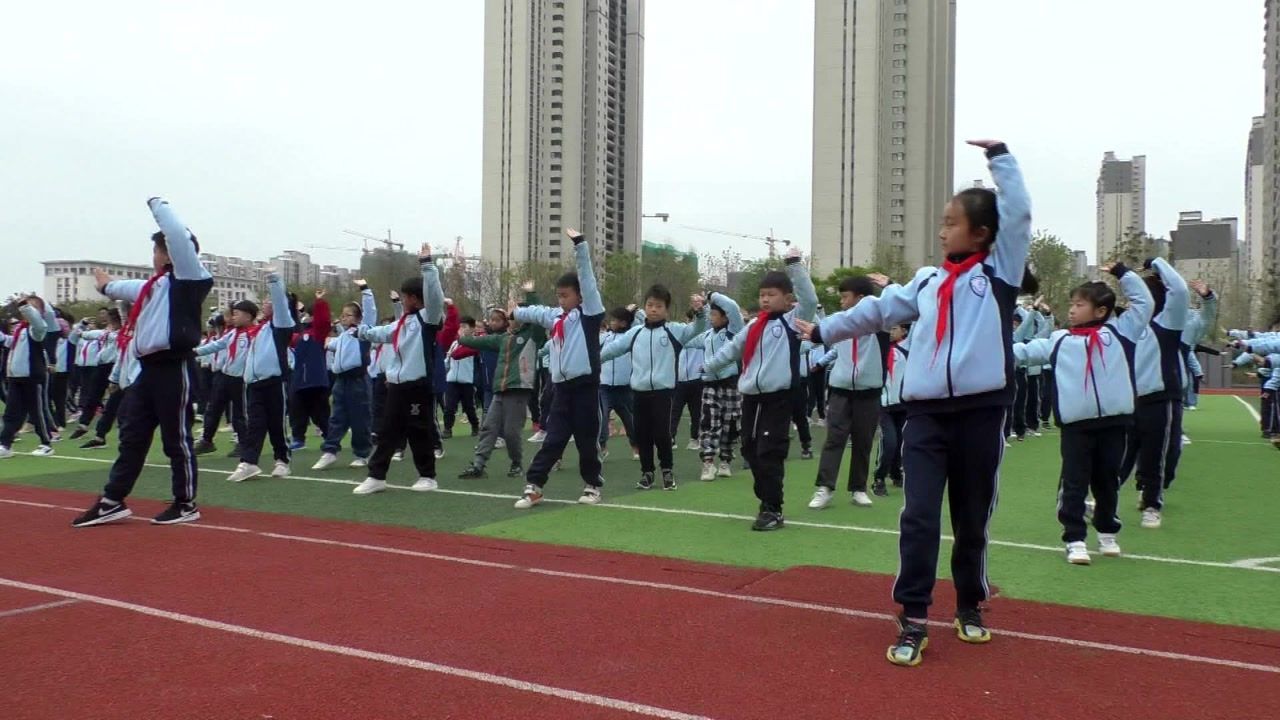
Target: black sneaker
{"points": [[203, 447], [102, 512], [446, 434], [236, 452], [79, 432], [913, 638], [878, 489], [767, 521], [515, 471], [177, 513], [668, 480], [475, 431], [806, 454], [472, 472], [646, 482], [94, 444], [969, 627]]}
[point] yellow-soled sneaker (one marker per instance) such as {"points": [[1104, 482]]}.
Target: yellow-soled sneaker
{"points": [[969, 627], [913, 638]]}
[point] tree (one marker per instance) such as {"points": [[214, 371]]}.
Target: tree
{"points": [[829, 287], [621, 280], [890, 261], [385, 271], [1052, 262], [747, 292], [1135, 247]]}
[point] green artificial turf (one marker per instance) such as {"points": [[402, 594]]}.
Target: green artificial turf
{"points": [[1218, 511]]}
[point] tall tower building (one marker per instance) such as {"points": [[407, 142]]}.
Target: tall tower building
{"points": [[1254, 253], [1268, 234], [563, 82], [1122, 202], [883, 130]]}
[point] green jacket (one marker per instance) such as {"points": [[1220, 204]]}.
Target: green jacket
{"points": [[517, 355]]}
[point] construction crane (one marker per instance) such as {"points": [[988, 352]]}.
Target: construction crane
{"points": [[337, 247], [770, 239], [386, 241]]}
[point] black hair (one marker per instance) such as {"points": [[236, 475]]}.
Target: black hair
{"points": [[1030, 283], [777, 280], [413, 287], [858, 285], [114, 315], [356, 309], [158, 239], [569, 280], [979, 206], [906, 327], [467, 320], [1097, 294], [621, 314], [1158, 292], [658, 291]]}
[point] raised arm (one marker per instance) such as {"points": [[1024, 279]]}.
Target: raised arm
{"points": [[1033, 352], [806, 295], [321, 316], [1027, 329], [1133, 323], [1177, 298], [685, 332], [1013, 241], [378, 334], [730, 309], [215, 346], [368, 306], [730, 353], [179, 241], [592, 304], [897, 304], [281, 318], [432, 294], [36, 327], [620, 344], [540, 315]]}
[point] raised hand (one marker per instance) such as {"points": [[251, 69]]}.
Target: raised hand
{"points": [[984, 144], [395, 296], [1200, 286], [572, 234], [527, 286], [101, 277], [1106, 268], [879, 280], [794, 252], [362, 284], [448, 302], [320, 293], [697, 301], [804, 329]]}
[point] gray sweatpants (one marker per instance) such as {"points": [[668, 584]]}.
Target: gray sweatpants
{"points": [[851, 415], [505, 419]]}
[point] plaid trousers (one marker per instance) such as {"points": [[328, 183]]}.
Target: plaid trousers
{"points": [[721, 417]]}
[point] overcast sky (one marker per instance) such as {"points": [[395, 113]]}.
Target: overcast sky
{"points": [[274, 125]]}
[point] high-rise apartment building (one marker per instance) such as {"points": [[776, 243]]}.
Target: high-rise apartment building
{"points": [[1122, 202], [883, 130], [563, 87]]}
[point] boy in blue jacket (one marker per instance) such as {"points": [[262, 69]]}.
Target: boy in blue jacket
{"points": [[957, 390], [574, 360], [655, 349], [721, 401], [27, 375], [769, 349]]}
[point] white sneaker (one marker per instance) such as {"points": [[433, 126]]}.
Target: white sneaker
{"points": [[359, 462], [439, 453], [1192, 408], [398, 456], [1077, 553], [499, 444], [693, 445], [708, 471], [5, 452], [425, 485], [42, 451], [326, 461], [244, 471], [281, 469], [1186, 440], [538, 436], [369, 487], [635, 455], [861, 499], [532, 496], [725, 470], [1037, 433], [1011, 436], [1007, 445], [1151, 518], [590, 495], [821, 498], [1107, 545]]}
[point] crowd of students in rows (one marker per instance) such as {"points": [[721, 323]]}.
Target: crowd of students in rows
{"points": [[948, 365]]}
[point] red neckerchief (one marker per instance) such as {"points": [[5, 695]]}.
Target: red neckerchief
{"points": [[753, 338], [855, 356], [17, 332], [395, 334], [889, 368], [1092, 342], [557, 330], [251, 332], [126, 333], [945, 290]]}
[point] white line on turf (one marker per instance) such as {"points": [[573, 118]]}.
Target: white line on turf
{"points": [[1252, 411], [755, 599], [37, 608], [1056, 549], [416, 664]]}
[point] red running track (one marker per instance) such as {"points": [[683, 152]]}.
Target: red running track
{"points": [[259, 626]]}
